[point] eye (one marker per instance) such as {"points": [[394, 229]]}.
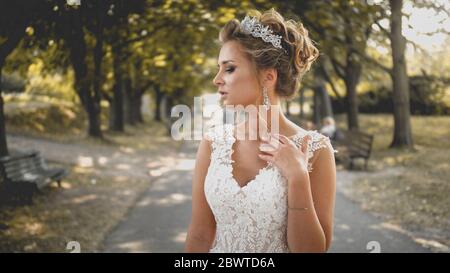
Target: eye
{"points": [[229, 70]]}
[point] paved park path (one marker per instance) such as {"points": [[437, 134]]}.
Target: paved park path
{"points": [[159, 221]]}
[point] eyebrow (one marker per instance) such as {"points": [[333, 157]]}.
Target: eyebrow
{"points": [[227, 61]]}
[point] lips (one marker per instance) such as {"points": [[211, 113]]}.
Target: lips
{"points": [[222, 93]]}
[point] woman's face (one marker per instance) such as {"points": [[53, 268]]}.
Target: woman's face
{"points": [[236, 79]]}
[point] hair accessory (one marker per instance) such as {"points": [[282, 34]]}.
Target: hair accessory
{"points": [[256, 29]]}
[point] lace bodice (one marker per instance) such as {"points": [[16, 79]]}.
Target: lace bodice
{"points": [[252, 218]]}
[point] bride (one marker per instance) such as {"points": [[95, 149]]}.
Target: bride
{"points": [[274, 193]]}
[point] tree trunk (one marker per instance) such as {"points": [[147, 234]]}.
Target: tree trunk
{"points": [[288, 104], [158, 101], [137, 105], [139, 87], [116, 107], [5, 49], [402, 126], [111, 115], [316, 109], [3, 142], [129, 97], [98, 59], [75, 40], [134, 106], [325, 102], [352, 74], [327, 110], [117, 110], [165, 107], [93, 110], [302, 102]]}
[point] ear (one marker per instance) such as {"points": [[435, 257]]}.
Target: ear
{"points": [[269, 77]]}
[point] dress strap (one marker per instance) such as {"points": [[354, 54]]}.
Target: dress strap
{"points": [[219, 133], [222, 139], [317, 142]]}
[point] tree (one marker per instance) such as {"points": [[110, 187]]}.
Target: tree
{"points": [[402, 136], [402, 124], [342, 29], [14, 19], [74, 36]]}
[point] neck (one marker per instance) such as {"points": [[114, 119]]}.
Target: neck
{"points": [[270, 121]]}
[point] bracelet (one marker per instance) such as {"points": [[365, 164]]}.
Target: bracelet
{"points": [[301, 209]]}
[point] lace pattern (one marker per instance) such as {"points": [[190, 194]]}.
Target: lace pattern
{"points": [[252, 218]]}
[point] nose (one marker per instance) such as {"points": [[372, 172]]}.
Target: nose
{"points": [[217, 80]]}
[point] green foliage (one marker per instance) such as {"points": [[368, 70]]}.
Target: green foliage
{"points": [[428, 96], [53, 84], [32, 113]]}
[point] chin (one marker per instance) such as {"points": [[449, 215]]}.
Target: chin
{"points": [[228, 102]]}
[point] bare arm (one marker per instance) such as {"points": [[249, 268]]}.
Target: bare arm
{"points": [[311, 230], [202, 229]]}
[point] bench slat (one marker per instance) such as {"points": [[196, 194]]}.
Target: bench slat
{"points": [[355, 144], [29, 166]]}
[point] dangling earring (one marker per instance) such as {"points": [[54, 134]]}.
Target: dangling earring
{"points": [[266, 101]]}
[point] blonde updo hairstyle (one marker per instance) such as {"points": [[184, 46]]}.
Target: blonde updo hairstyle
{"points": [[290, 65]]}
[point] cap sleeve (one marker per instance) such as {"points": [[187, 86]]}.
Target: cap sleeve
{"points": [[316, 143]]}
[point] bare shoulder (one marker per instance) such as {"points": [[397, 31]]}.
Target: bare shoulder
{"points": [[205, 147], [203, 160], [294, 129]]}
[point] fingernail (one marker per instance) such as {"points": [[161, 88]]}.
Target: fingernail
{"points": [[264, 147]]}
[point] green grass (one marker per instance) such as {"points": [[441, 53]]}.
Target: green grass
{"points": [[417, 198]]}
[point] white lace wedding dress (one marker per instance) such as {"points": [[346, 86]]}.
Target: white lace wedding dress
{"points": [[252, 218]]}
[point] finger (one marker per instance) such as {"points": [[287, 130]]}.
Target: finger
{"points": [[283, 139], [287, 141], [267, 148], [271, 154], [305, 144], [274, 141], [267, 158]]}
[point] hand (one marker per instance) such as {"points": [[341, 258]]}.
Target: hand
{"points": [[284, 154]]}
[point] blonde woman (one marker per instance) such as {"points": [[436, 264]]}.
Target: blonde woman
{"points": [[274, 193]]}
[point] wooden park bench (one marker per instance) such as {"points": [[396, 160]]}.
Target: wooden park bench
{"points": [[23, 174], [353, 145]]}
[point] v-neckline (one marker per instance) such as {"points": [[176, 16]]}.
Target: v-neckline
{"points": [[260, 170]]}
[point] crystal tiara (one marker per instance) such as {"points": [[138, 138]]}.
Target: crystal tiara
{"points": [[256, 29]]}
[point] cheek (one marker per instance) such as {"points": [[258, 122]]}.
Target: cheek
{"points": [[243, 90]]}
